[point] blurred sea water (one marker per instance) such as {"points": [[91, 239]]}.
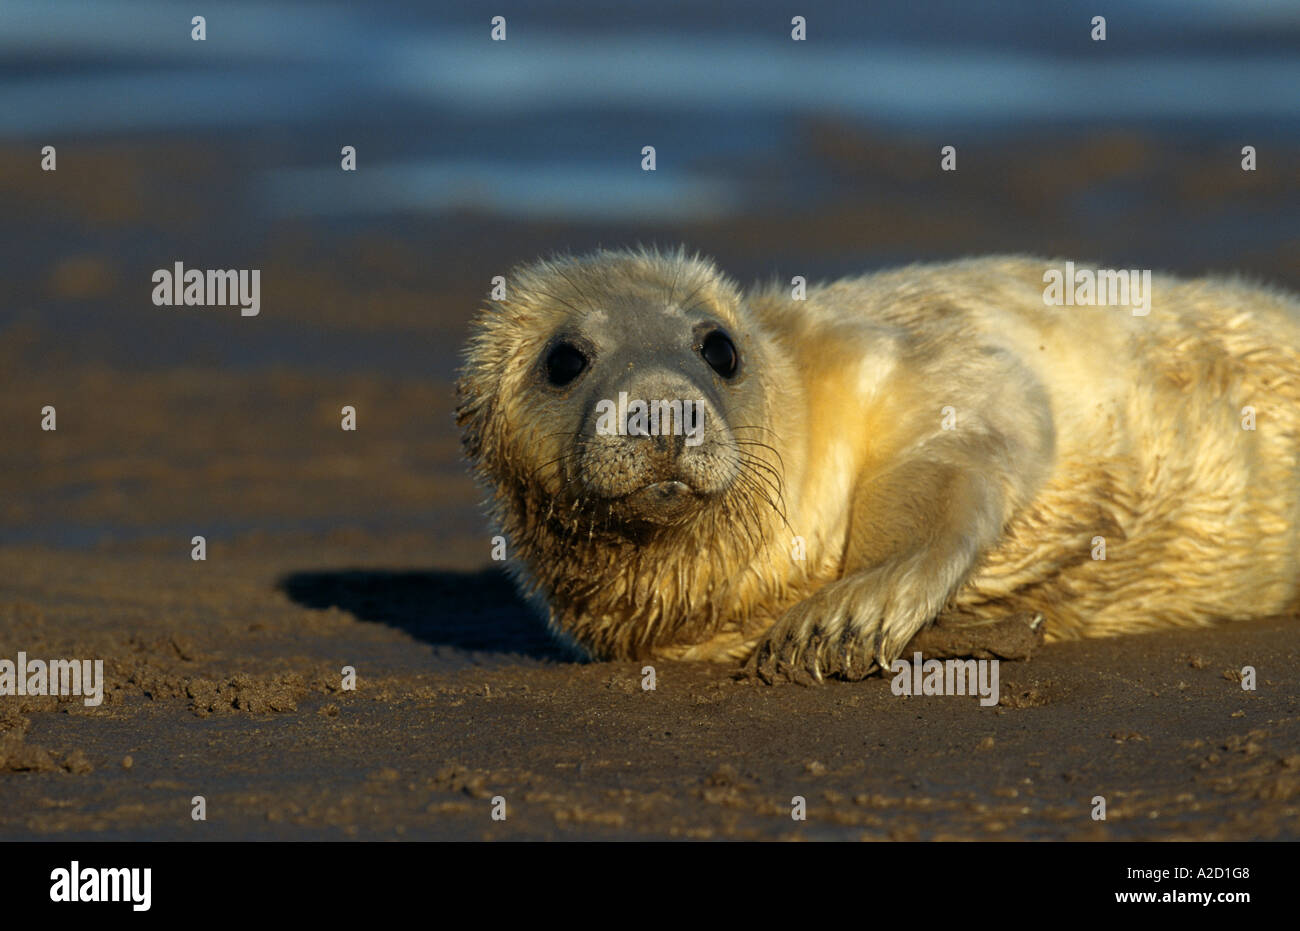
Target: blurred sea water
{"points": [[545, 123]]}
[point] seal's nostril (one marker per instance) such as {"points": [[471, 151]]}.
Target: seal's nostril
{"points": [[669, 444]]}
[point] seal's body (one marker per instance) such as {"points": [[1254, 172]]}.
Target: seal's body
{"points": [[933, 439]]}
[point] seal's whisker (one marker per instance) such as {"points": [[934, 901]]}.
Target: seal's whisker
{"points": [[768, 469], [582, 293], [554, 297], [748, 507], [772, 449], [763, 480]]}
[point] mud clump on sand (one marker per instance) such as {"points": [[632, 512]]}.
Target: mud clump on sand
{"points": [[19, 756], [956, 636], [457, 778], [252, 694]]}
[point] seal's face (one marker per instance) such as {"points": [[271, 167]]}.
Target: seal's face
{"points": [[614, 390], [644, 397]]}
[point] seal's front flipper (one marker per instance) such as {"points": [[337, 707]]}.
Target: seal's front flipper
{"points": [[915, 534]]}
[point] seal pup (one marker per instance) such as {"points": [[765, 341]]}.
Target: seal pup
{"points": [[937, 438]]}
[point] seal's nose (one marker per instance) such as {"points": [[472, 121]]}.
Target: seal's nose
{"points": [[668, 445]]}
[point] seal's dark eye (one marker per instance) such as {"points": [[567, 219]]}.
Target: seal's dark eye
{"points": [[564, 363], [720, 352]]}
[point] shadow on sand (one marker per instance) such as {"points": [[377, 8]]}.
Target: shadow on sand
{"points": [[468, 610]]}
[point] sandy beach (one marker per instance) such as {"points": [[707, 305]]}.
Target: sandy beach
{"points": [[329, 549]]}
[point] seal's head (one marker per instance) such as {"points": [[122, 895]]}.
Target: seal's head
{"points": [[610, 404]]}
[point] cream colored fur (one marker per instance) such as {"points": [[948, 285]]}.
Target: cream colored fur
{"points": [[1069, 423]]}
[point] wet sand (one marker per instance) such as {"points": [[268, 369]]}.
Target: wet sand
{"points": [[224, 681], [329, 549]]}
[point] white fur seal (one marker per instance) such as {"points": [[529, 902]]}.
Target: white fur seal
{"points": [[839, 470]]}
